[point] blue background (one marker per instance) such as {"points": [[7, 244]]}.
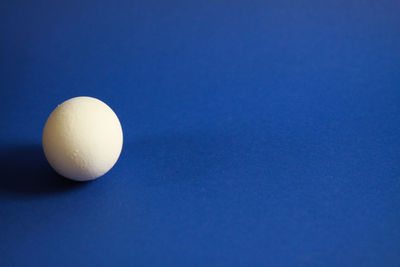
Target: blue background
{"points": [[257, 133]]}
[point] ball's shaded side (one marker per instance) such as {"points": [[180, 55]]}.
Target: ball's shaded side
{"points": [[82, 138]]}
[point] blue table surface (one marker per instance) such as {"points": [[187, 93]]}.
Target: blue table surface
{"points": [[256, 133]]}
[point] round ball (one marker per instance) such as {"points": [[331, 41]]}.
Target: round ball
{"points": [[82, 138]]}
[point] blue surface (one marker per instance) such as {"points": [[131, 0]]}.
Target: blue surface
{"points": [[257, 133]]}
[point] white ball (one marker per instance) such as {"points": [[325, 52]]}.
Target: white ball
{"points": [[82, 138]]}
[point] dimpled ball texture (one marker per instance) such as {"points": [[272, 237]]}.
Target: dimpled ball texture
{"points": [[82, 138]]}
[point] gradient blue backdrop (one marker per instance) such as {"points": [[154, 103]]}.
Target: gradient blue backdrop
{"points": [[257, 133]]}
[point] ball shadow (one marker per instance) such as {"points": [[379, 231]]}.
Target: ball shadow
{"points": [[25, 171]]}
